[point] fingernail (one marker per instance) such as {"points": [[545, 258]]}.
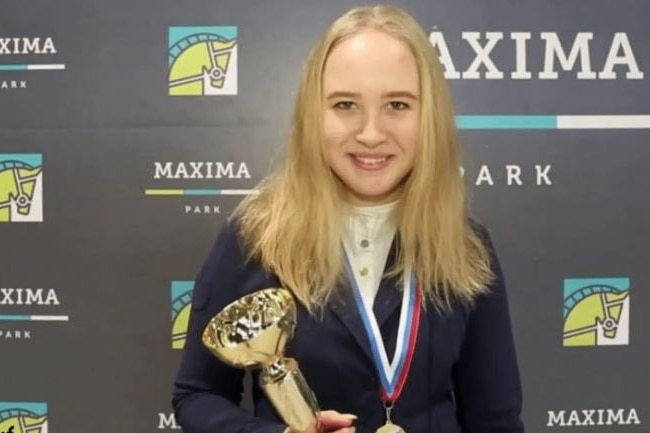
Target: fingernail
{"points": [[349, 415]]}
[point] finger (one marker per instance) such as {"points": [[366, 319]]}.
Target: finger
{"points": [[335, 415], [331, 419]]}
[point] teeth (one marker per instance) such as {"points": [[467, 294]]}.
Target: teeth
{"points": [[371, 161]]}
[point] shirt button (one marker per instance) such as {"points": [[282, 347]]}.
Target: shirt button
{"points": [[364, 272], [365, 243]]}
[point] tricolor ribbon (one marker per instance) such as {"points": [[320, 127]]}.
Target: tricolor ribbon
{"points": [[392, 375]]}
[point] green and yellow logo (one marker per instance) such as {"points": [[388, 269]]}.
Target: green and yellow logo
{"points": [[181, 306], [23, 417], [21, 187], [596, 312], [202, 61]]}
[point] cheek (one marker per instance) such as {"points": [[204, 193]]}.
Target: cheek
{"points": [[335, 131], [408, 137]]}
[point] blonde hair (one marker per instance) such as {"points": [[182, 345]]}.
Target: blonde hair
{"points": [[293, 226]]}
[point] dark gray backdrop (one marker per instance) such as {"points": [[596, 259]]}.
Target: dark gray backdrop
{"points": [[111, 252]]}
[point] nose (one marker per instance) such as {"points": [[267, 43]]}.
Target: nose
{"points": [[371, 132]]}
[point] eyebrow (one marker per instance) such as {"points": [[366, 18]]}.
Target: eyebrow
{"points": [[395, 94]]}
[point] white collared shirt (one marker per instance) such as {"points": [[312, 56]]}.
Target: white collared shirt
{"points": [[367, 236]]}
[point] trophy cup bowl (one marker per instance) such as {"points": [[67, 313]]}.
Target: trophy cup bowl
{"points": [[252, 333]]}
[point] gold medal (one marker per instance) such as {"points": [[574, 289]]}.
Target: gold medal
{"points": [[389, 427]]}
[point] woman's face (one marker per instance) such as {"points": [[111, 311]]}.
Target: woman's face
{"points": [[371, 91]]}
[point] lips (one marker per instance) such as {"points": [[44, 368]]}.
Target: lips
{"points": [[370, 162]]}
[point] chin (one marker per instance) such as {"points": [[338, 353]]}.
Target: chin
{"points": [[371, 197]]}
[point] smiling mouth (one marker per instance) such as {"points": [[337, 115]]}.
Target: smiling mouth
{"points": [[370, 163]]}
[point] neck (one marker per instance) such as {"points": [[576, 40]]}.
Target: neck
{"points": [[357, 200]]}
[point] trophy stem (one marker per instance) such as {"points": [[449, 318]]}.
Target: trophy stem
{"points": [[276, 368], [287, 390]]}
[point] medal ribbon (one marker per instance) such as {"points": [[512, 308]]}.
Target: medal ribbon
{"points": [[392, 375]]}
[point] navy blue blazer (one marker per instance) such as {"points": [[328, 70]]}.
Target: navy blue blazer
{"points": [[463, 378]]}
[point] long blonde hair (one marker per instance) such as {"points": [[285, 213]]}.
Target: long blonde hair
{"points": [[293, 226]]}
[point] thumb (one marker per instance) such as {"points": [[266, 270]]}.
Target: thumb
{"points": [[331, 419]]}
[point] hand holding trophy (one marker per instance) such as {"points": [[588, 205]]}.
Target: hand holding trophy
{"points": [[252, 333]]}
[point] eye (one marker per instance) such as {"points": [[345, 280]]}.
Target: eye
{"points": [[344, 105], [398, 105]]}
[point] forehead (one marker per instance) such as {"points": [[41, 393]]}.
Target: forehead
{"points": [[370, 60]]}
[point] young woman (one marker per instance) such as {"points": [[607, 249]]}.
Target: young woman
{"points": [[402, 310]]}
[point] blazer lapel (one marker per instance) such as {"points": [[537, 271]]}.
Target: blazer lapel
{"points": [[387, 300], [345, 308]]}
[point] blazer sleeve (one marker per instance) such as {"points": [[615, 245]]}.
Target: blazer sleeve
{"points": [[487, 386], [207, 392]]}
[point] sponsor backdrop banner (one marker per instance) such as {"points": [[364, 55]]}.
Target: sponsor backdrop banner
{"points": [[130, 130]]}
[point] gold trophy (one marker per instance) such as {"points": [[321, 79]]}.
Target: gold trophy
{"points": [[252, 333]]}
